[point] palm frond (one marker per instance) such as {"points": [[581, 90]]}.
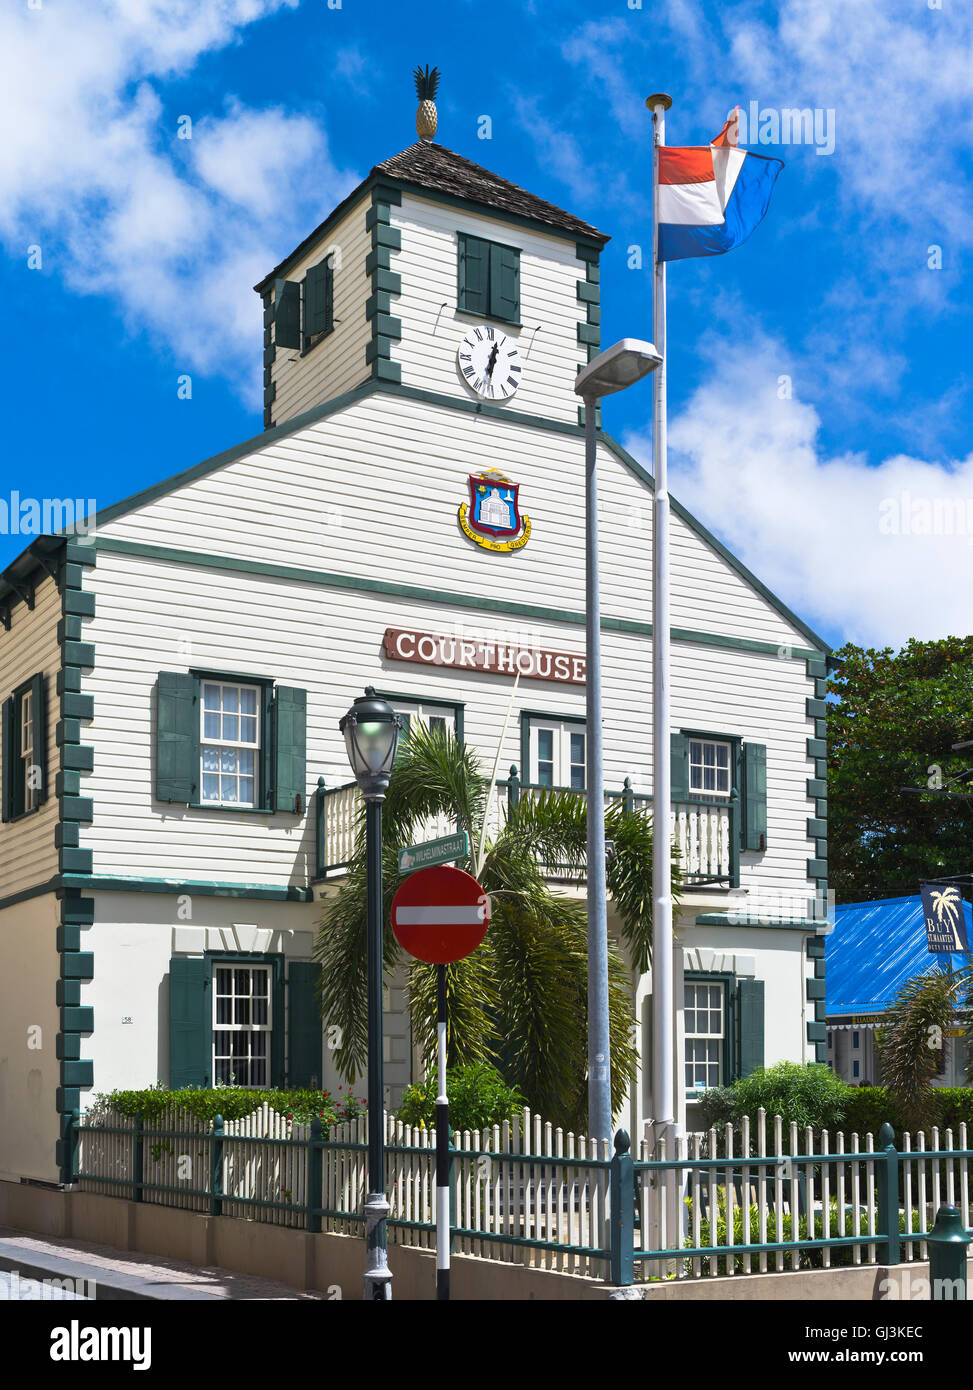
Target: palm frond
{"points": [[913, 1035]]}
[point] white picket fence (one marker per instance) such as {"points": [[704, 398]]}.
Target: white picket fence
{"points": [[527, 1193], [760, 1195], [519, 1181]]}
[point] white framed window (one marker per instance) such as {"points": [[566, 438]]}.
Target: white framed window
{"points": [[557, 753], [242, 1025], [709, 767], [705, 1029], [27, 750], [434, 716], [229, 743]]}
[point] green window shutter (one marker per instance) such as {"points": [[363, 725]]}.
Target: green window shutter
{"points": [[287, 314], [474, 274], [679, 762], [750, 1016], [38, 706], [7, 760], [754, 796], [190, 1022], [504, 283], [277, 1033], [304, 1029], [290, 746], [177, 738], [318, 300]]}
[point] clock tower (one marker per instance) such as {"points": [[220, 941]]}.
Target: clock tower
{"points": [[440, 276]]}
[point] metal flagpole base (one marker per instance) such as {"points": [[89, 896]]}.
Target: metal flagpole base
{"points": [[378, 1276]]}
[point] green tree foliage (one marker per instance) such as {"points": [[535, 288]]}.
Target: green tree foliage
{"points": [[897, 716], [519, 1002], [912, 1039]]}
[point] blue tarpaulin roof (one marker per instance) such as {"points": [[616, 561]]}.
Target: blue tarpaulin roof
{"points": [[874, 950]]}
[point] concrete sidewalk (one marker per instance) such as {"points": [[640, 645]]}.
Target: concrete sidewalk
{"points": [[122, 1274]]}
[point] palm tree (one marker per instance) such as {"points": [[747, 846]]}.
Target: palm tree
{"points": [[520, 1000], [913, 1035]]}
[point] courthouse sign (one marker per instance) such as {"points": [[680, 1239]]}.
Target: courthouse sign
{"points": [[474, 654]]}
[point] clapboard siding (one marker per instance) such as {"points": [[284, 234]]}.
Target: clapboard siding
{"points": [[394, 471], [432, 326], [27, 853], [337, 362], [156, 615]]}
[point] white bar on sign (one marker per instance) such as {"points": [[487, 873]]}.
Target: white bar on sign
{"points": [[467, 915]]}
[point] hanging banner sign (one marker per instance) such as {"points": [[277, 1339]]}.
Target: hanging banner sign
{"points": [[503, 658], [942, 908]]}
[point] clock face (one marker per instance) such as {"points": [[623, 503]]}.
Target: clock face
{"points": [[489, 363]]}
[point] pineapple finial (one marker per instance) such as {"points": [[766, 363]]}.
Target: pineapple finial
{"points": [[427, 85]]}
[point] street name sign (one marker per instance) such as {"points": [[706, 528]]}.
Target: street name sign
{"points": [[442, 851]]}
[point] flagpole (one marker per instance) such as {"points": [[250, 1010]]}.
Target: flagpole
{"points": [[663, 1001]]}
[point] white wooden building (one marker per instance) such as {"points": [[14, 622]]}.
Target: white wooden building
{"points": [[171, 683]]}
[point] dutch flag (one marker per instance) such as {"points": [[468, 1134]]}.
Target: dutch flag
{"points": [[711, 197]]}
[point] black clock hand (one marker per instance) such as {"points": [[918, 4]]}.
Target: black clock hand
{"points": [[493, 359]]}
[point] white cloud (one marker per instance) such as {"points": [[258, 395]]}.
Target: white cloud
{"points": [[176, 231], [875, 553]]}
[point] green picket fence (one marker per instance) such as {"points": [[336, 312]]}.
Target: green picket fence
{"points": [[739, 1201]]}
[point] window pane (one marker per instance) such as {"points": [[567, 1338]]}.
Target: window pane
{"points": [[248, 702], [211, 759], [231, 699], [228, 757], [222, 981], [248, 729], [577, 748], [577, 777], [246, 795], [211, 725], [211, 697], [231, 728], [545, 774], [545, 744], [245, 762]]}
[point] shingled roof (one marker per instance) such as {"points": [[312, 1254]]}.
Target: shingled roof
{"points": [[432, 167], [429, 165]]}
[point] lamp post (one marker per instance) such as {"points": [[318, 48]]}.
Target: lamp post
{"points": [[371, 730], [611, 371]]}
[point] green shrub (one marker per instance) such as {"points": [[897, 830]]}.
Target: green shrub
{"points": [[807, 1259], [478, 1097], [806, 1095], [234, 1102]]}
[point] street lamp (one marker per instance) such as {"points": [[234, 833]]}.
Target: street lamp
{"points": [[612, 370], [371, 730]]}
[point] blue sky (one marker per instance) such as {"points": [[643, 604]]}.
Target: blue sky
{"points": [[820, 402]]}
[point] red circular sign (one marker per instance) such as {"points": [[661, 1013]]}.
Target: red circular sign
{"points": [[440, 914]]}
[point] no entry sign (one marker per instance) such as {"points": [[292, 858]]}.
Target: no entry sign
{"points": [[440, 914]]}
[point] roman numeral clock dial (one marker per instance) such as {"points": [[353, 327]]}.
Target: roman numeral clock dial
{"points": [[489, 363]]}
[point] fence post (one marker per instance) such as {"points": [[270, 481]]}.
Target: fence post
{"points": [[315, 1174], [888, 1251], [947, 1242], [216, 1168], [70, 1121], [138, 1160], [622, 1225], [513, 787]]}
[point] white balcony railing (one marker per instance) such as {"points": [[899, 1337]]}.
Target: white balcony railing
{"points": [[704, 832]]}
